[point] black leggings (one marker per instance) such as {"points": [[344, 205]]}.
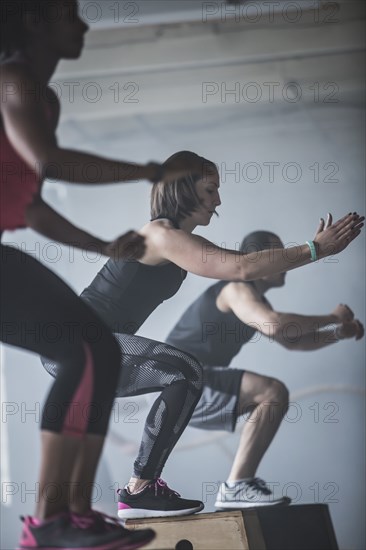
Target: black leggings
{"points": [[148, 366], [40, 313]]}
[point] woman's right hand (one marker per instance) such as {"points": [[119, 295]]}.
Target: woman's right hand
{"points": [[331, 238], [183, 166], [130, 246]]}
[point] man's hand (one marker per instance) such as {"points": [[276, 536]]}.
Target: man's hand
{"points": [[130, 246], [344, 313], [352, 329]]}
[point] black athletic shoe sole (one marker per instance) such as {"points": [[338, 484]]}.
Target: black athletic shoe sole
{"points": [[138, 539]]}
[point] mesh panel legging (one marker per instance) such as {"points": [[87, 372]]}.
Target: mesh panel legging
{"points": [[148, 366], [40, 313]]}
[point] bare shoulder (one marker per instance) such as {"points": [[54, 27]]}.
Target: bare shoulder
{"points": [[157, 231], [157, 235], [14, 77], [168, 243], [237, 289], [19, 86], [22, 93], [231, 293]]}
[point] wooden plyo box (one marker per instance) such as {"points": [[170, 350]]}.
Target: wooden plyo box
{"points": [[303, 527]]}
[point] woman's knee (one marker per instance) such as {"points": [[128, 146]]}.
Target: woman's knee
{"points": [[196, 376], [191, 373]]}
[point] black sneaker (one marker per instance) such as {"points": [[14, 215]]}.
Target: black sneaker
{"points": [[247, 494], [154, 501], [131, 539], [75, 532]]}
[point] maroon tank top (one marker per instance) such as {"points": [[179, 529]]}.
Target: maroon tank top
{"points": [[18, 185], [18, 181]]}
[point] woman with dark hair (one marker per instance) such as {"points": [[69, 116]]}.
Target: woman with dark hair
{"points": [[124, 294], [214, 328], [33, 39]]}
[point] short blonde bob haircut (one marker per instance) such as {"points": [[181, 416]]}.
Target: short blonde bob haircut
{"points": [[177, 199]]}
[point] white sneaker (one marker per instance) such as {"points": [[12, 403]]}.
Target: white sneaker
{"points": [[247, 494]]}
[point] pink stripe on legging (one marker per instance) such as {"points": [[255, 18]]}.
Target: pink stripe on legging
{"points": [[77, 415]]}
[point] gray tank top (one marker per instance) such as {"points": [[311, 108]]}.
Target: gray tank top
{"points": [[209, 334]]}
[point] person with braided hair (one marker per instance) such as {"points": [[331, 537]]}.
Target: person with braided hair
{"points": [[33, 41]]}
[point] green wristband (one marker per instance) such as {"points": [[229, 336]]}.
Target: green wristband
{"points": [[311, 245]]}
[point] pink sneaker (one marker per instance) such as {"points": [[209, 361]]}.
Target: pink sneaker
{"points": [[75, 532], [155, 500]]}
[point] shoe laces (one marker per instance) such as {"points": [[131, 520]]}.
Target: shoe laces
{"points": [[82, 521], [110, 522], [260, 485], [95, 519], [161, 487]]}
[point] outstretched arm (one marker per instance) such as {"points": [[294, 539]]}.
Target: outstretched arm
{"points": [[29, 132], [43, 219], [198, 255], [291, 330], [321, 338]]}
